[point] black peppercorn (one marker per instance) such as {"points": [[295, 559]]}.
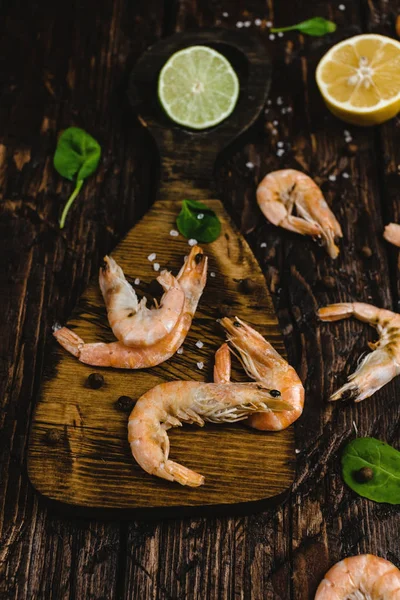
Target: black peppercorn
{"points": [[95, 381], [125, 403], [53, 436], [363, 475]]}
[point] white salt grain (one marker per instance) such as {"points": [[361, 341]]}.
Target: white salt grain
{"points": [[225, 14], [257, 22], [269, 102], [345, 175], [268, 24], [274, 132], [156, 266], [275, 123], [250, 165], [280, 33], [271, 36], [247, 23], [280, 144], [192, 242], [239, 24], [180, 350], [297, 451], [200, 216], [280, 152], [152, 256], [341, 7], [332, 177], [289, 109], [346, 133], [279, 100], [199, 344], [200, 365], [137, 281], [174, 233], [212, 274], [263, 245]]}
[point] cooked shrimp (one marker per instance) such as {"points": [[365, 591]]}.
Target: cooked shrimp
{"points": [[171, 404], [282, 191], [222, 365], [131, 321], [192, 279], [392, 234], [363, 577], [380, 366], [264, 364]]}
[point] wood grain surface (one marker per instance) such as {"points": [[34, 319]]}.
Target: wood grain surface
{"points": [[90, 463], [65, 64]]}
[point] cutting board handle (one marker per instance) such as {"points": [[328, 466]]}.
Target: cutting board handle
{"points": [[188, 157]]}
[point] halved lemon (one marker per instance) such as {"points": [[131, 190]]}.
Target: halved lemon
{"points": [[359, 79]]}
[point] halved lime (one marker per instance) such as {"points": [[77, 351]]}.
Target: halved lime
{"points": [[198, 87]]}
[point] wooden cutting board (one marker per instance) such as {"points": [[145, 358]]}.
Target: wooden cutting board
{"points": [[78, 451]]}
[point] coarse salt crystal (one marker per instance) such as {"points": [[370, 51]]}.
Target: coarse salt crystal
{"points": [[199, 344], [269, 102], [180, 350], [289, 109], [271, 36], [192, 242], [297, 451], [280, 152], [263, 245], [266, 111], [200, 216], [174, 233], [283, 111], [225, 14], [137, 281], [250, 165], [280, 33], [239, 24], [345, 175], [269, 23], [341, 7], [274, 132], [212, 274], [346, 133], [156, 266], [200, 365], [280, 144], [332, 177], [279, 100], [275, 123], [152, 256], [258, 22], [247, 23]]}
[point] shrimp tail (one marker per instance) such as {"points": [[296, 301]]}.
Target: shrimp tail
{"points": [[183, 475], [222, 365], [69, 340]]}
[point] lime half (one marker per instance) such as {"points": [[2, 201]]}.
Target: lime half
{"points": [[197, 87]]}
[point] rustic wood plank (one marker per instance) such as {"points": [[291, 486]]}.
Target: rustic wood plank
{"points": [[52, 78], [91, 465]]}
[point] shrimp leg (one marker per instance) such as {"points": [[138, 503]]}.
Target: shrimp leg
{"points": [[380, 366]]}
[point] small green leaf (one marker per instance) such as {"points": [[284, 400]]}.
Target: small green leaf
{"points": [[316, 27], [383, 484], [199, 222], [77, 156]]}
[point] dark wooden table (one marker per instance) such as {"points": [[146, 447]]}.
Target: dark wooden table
{"points": [[67, 63]]}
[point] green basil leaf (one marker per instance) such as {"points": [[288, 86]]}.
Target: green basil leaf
{"points": [[199, 222], [384, 461], [77, 156], [316, 27]]}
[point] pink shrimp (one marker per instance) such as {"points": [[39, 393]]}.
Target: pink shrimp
{"points": [[131, 321], [282, 191], [192, 279], [264, 364]]}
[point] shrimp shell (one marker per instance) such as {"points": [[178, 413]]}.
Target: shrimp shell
{"points": [[362, 577]]}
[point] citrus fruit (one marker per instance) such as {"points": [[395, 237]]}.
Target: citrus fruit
{"points": [[198, 87], [359, 79]]}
